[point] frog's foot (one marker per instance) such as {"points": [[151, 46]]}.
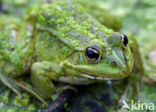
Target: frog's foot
{"points": [[10, 83], [24, 86]]}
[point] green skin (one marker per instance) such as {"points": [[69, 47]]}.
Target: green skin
{"points": [[100, 14], [52, 45]]}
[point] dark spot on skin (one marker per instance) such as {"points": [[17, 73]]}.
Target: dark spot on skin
{"points": [[92, 53]]}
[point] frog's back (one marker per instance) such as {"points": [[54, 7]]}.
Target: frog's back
{"points": [[70, 22]]}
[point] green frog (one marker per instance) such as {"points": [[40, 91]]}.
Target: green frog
{"points": [[60, 42]]}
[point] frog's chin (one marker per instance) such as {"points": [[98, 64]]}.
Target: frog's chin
{"points": [[95, 77]]}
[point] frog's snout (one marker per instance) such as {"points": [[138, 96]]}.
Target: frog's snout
{"points": [[121, 55], [123, 60], [118, 58]]}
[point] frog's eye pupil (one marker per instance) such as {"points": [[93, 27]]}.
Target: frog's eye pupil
{"points": [[124, 40], [92, 53]]}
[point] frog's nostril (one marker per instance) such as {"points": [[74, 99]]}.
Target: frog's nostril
{"points": [[113, 63]]}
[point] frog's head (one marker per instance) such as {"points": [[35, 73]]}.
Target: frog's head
{"points": [[110, 58]]}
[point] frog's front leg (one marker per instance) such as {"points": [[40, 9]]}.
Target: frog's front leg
{"points": [[41, 75]]}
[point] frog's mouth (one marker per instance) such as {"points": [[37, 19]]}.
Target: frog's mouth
{"points": [[95, 77], [115, 76]]}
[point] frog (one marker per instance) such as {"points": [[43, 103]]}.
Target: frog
{"points": [[60, 42]]}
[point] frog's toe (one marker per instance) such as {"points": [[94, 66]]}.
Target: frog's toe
{"points": [[10, 83]]}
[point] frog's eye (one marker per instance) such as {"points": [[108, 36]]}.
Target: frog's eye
{"points": [[124, 40], [92, 54]]}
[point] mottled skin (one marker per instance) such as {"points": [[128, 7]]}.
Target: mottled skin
{"points": [[99, 13], [52, 45]]}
